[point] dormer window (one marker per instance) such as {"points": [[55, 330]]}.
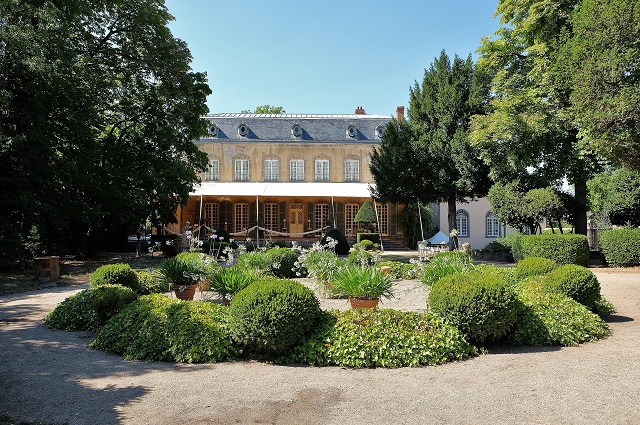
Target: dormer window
{"points": [[296, 130], [352, 132], [380, 131], [243, 130], [213, 130]]}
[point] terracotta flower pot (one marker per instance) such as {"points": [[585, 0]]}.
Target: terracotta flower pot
{"points": [[185, 292], [363, 302]]}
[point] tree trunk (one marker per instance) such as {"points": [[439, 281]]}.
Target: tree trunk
{"points": [[451, 216], [580, 224]]}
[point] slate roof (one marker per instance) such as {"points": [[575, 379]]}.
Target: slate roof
{"points": [[296, 128]]}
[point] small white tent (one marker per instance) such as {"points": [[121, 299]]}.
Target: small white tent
{"points": [[438, 238]]}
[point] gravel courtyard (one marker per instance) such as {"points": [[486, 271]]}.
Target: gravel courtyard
{"points": [[51, 376]]}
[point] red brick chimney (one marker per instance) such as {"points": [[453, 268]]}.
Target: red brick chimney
{"points": [[360, 110], [400, 113]]}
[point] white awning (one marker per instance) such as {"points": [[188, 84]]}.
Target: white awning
{"points": [[346, 190]]}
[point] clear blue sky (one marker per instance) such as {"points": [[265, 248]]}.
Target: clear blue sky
{"points": [[325, 56]]}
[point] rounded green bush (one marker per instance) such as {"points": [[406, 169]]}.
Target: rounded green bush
{"points": [[159, 328], [553, 319], [361, 258], [575, 282], [342, 246], [271, 316], [534, 266], [382, 338], [116, 274], [561, 248], [621, 247], [479, 303], [88, 310], [282, 261]]}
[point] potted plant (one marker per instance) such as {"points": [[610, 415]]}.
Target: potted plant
{"points": [[363, 285], [184, 272], [227, 282]]}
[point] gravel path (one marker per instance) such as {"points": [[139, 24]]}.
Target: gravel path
{"points": [[50, 376]]}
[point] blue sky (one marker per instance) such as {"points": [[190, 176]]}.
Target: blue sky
{"points": [[323, 57]]}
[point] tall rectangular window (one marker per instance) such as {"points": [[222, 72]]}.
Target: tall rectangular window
{"points": [[352, 170], [271, 216], [492, 226], [296, 170], [271, 168], [211, 214], [322, 170], [212, 173], [321, 215], [241, 170], [462, 220], [241, 217], [350, 211], [383, 218]]}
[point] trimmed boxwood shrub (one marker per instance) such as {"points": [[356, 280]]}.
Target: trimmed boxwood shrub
{"points": [[373, 237], [534, 266], [553, 319], [561, 248], [381, 338], [149, 284], [271, 316], [621, 247], [282, 261], [342, 246], [159, 328], [575, 282], [116, 274], [480, 303], [88, 310]]}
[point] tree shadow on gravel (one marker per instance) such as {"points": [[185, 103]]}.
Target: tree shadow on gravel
{"points": [[615, 318]]}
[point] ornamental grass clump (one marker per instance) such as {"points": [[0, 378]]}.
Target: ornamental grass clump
{"points": [[159, 328], [271, 316], [187, 268], [444, 264], [88, 310], [481, 303], [116, 274], [229, 281], [362, 282], [381, 338]]}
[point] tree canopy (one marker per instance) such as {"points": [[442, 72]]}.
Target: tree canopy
{"points": [[98, 111], [430, 158], [614, 197], [266, 109]]}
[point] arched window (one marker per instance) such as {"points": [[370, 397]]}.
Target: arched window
{"points": [[462, 220], [492, 226]]}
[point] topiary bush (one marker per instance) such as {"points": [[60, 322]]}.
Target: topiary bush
{"points": [[381, 338], [373, 237], [283, 262], [88, 310], [272, 316], [481, 303], [365, 245], [342, 245], [575, 282], [621, 247], [443, 264], [533, 266], [553, 319], [116, 274], [149, 284], [159, 328], [561, 248]]}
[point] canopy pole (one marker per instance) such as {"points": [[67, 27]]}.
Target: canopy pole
{"points": [[375, 208], [333, 210], [200, 219], [257, 223], [420, 215]]}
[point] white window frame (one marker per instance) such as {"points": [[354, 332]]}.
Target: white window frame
{"points": [[241, 170], [296, 170], [462, 223], [271, 170], [212, 173], [322, 170], [352, 170], [492, 226]]}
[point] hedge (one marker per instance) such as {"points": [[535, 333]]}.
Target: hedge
{"points": [[561, 248], [621, 247]]}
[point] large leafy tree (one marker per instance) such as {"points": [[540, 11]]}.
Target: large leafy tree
{"points": [[266, 109], [98, 110], [614, 196], [602, 61], [530, 133], [430, 158]]}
